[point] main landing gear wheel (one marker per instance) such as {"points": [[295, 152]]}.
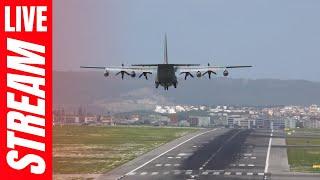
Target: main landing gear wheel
{"points": [[175, 85]]}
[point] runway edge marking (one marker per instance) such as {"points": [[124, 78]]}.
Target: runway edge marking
{"points": [[168, 151], [268, 153]]}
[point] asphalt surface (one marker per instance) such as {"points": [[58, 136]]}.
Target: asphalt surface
{"points": [[218, 154], [214, 154]]}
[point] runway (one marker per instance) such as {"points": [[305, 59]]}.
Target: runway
{"points": [[216, 153]]}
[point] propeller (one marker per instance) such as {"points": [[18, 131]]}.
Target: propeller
{"points": [[145, 74], [186, 75], [209, 72], [122, 74]]}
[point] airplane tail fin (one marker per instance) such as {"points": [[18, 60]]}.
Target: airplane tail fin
{"points": [[165, 50]]}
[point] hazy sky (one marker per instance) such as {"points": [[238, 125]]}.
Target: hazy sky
{"points": [[281, 38]]}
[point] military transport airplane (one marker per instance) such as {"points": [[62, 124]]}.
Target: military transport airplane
{"points": [[165, 73]]}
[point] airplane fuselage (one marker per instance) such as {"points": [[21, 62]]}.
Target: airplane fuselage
{"points": [[166, 76]]}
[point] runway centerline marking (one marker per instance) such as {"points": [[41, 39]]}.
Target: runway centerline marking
{"points": [[268, 153], [170, 150]]}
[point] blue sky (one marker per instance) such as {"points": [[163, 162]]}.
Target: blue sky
{"points": [[281, 38]]}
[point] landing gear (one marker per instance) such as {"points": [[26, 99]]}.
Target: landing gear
{"points": [[175, 85], [166, 88], [157, 85]]}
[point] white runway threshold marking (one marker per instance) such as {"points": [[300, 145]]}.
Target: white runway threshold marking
{"points": [[133, 173], [154, 173], [169, 150], [250, 174], [268, 153], [216, 173], [204, 173]]}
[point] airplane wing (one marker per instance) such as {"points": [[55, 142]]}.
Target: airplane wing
{"points": [[125, 70], [203, 70], [176, 65], [206, 68]]}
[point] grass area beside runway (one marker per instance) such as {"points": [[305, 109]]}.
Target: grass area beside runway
{"points": [[97, 149], [302, 159]]}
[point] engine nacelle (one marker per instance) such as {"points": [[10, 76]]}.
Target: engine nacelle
{"points": [[133, 74], [106, 74], [198, 74], [225, 73]]}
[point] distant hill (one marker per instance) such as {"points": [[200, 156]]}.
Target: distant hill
{"points": [[73, 89]]}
